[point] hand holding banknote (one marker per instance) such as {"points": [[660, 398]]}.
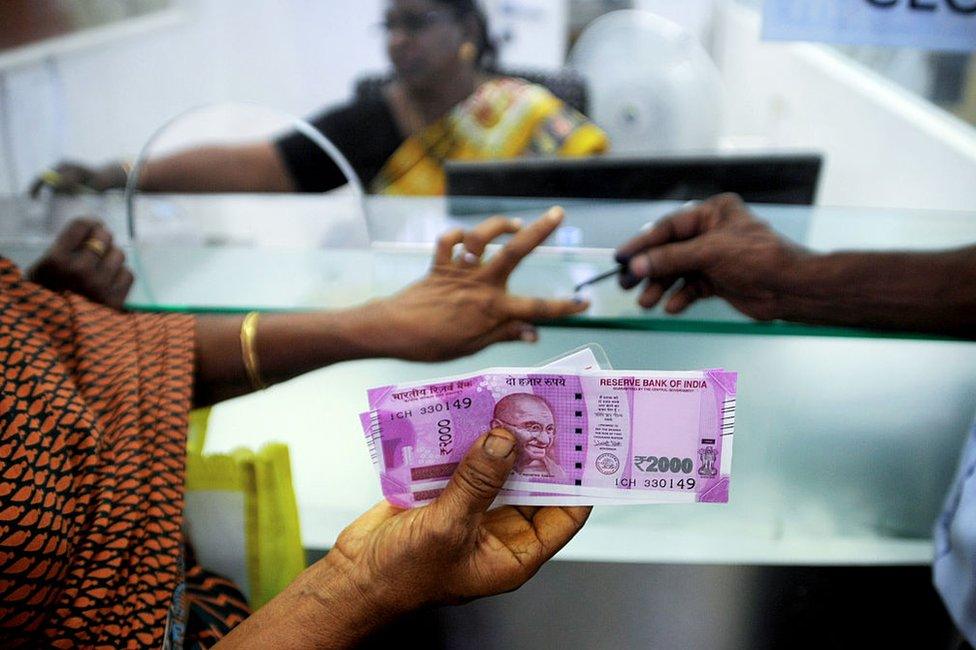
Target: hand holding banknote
{"points": [[463, 305], [455, 550], [715, 248], [390, 561]]}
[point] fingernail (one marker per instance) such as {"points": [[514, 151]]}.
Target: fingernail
{"points": [[470, 258], [499, 446], [640, 266], [555, 214], [517, 223], [581, 300], [530, 335]]}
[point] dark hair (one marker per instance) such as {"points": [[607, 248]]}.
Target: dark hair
{"points": [[487, 48]]}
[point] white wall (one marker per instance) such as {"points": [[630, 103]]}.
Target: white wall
{"points": [[104, 102]]}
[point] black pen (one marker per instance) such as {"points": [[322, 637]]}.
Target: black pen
{"points": [[600, 278]]}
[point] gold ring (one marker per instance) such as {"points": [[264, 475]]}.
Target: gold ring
{"points": [[96, 245]]}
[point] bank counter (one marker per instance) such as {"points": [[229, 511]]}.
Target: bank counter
{"points": [[846, 440]]}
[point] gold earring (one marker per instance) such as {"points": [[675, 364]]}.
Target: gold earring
{"points": [[468, 52]]}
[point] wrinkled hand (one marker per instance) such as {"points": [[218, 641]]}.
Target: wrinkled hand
{"points": [[717, 248], [463, 304], [73, 178], [76, 263], [455, 550]]}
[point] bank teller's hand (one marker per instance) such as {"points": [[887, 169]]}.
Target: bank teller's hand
{"points": [[463, 304], [716, 248], [74, 178], [84, 260]]}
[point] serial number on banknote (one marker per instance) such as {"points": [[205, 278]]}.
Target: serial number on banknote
{"points": [[662, 483], [440, 407]]}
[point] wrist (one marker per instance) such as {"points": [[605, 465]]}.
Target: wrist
{"points": [[324, 608], [346, 604], [373, 330], [808, 288]]}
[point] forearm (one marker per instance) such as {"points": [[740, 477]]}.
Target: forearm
{"points": [[286, 345], [242, 168], [920, 292], [324, 608]]}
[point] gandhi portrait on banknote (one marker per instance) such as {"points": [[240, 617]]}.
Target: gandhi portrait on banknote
{"points": [[530, 419]]}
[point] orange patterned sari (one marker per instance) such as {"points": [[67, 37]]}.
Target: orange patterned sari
{"points": [[93, 418]]}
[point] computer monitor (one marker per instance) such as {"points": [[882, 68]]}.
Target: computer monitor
{"points": [[784, 178]]}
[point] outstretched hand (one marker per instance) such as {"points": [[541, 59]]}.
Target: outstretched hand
{"points": [[463, 304]]}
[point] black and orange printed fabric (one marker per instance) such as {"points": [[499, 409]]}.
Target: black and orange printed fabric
{"points": [[93, 417]]}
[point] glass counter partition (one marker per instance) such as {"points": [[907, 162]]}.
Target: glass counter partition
{"points": [[847, 440]]}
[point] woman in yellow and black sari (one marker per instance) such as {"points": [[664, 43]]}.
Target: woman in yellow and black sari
{"points": [[444, 103]]}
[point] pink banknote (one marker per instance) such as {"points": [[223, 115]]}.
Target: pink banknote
{"points": [[590, 436]]}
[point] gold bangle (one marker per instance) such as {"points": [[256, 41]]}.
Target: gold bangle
{"points": [[249, 331]]}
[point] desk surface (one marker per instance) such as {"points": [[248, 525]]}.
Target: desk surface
{"points": [[845, 444]]}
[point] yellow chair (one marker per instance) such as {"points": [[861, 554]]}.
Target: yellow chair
{"points": [[242, 515]]}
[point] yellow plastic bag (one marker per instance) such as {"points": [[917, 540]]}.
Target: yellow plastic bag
{"points": [[242, 517]]}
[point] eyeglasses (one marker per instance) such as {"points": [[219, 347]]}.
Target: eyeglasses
{"points": [[413, 23]]}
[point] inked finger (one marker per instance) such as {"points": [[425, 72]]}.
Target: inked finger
{"points": [[628, 280]]}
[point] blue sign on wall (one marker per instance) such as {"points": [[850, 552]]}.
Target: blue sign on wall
{"points": [[930, 24]]}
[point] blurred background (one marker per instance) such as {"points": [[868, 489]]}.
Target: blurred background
{"points": [[92, 80]]}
